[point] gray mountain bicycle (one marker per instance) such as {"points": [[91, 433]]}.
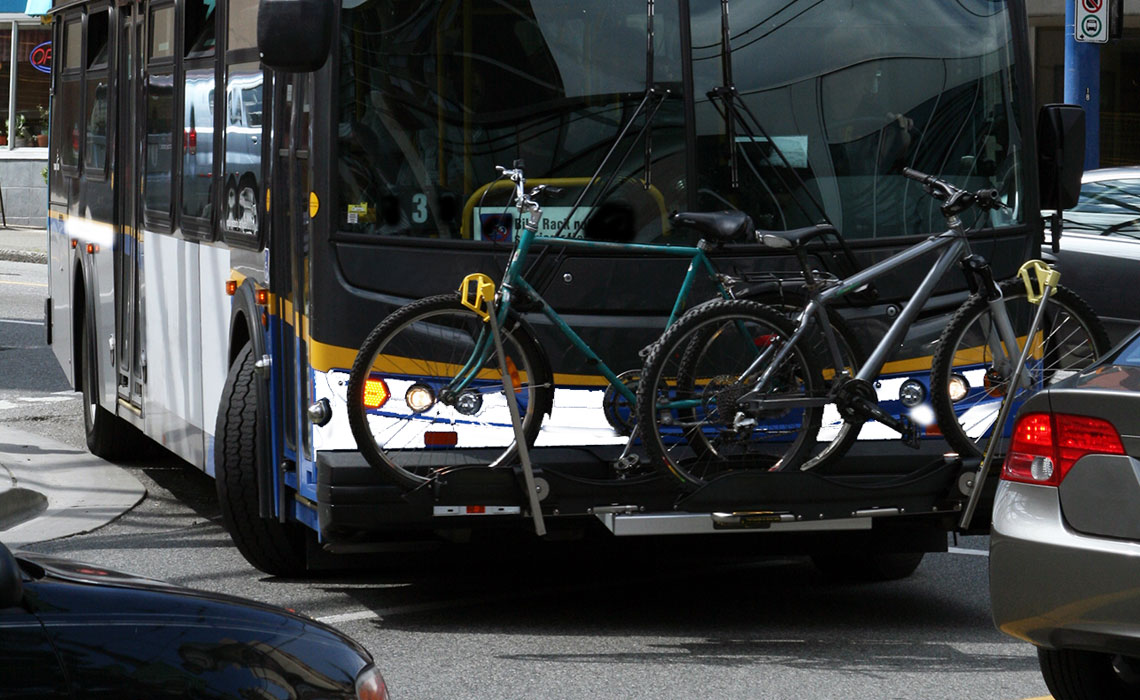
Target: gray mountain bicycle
{"points": [[736, 384]]}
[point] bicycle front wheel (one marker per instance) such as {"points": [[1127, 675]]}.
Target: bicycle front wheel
{"points": [[410, 418], [698, 407], [971, 370]]}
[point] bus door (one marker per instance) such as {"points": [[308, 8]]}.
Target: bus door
{"points": [[291, 204], [128, 252]]}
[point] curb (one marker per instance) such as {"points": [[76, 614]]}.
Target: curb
{"points": [[24, 256], [19, 505], [57, 490]]}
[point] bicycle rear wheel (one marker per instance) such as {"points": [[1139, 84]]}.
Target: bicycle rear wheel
{"points": [[693, 398], [405, 422], [836, 434], [1069, 339]]}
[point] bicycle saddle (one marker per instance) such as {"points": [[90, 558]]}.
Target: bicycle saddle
{"points": [[716, 226], [795, 237]]}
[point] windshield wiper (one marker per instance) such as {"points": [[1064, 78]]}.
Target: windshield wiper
{"points": [[1116, 228]]}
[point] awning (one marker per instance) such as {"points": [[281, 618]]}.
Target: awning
{"points": [[33, 7]]}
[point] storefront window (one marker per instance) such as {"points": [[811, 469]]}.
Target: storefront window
{"points": [[5, 80], [33, 84]]}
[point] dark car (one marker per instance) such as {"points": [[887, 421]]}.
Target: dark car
{"points": [[1100, 246], [75, 630], [1065, 543]]}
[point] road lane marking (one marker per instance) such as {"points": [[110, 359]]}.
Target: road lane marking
{"points": [[22, 323], [24, 284], [963, 550]]}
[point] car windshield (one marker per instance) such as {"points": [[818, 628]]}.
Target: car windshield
{"points": [[1107, 208], [1130, 354]]}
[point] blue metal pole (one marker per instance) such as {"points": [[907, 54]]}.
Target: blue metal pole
{"points": [[1082, 83]]}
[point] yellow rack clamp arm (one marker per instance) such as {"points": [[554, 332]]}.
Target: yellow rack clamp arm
{"points": [[477, 292], [1046, 277]]}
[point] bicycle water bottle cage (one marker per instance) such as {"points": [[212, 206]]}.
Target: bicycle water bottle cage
{"points": [[716, 226], [477, 292]]}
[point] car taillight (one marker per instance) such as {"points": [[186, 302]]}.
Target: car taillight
{"points": [[1045, 446]]}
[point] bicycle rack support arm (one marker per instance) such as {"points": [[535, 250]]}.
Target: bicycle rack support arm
{"points": [[516, 421], [1048, 278]]}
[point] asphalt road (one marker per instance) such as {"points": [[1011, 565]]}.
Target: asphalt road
{"points": [[630, 619]]}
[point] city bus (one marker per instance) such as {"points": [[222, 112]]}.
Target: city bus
{"points": [[240, 190]]}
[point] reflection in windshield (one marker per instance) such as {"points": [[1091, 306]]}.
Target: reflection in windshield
{"points": [[841, 96]]}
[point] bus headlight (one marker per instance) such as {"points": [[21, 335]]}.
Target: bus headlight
{"points": [[958, 387], [912, 393], [419, 397]]}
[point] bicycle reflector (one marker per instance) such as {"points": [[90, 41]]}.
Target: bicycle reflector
{"points": [[376, 393], [1046, 446]]}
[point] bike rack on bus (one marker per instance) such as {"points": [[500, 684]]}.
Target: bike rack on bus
{"points": [[1047, 278], [477, 292]]}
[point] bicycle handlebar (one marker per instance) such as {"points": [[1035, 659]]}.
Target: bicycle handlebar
{"points": [[954, 200]]}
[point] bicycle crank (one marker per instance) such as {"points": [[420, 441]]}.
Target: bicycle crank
{"points": [[857, 402]]}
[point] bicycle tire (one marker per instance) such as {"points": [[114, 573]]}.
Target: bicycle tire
{"points": [[1072, 338], [427, 342], [694, 443], [836, 434]]}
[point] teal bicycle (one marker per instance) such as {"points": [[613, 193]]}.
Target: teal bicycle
{"points": [[425, 393]]}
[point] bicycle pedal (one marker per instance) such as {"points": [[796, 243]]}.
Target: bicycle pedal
{"points": [[910, 433]]}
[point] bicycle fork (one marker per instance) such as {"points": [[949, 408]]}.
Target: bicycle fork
{"points": [[1003, 342]]}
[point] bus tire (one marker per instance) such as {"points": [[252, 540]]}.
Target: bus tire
{"points": [[108, 436], [276, 548]]}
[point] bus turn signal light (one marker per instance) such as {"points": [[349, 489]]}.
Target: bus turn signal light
{"points": [[376, 393], [231, 287], [262, 297]]}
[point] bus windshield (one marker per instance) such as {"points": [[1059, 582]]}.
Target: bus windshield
{"points": [[794, 111]]}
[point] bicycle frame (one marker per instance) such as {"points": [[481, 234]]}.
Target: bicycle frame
{"points": [[513, 280], [954, 246]]}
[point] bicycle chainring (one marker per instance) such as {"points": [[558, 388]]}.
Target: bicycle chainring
{"points": [[850, 397]]}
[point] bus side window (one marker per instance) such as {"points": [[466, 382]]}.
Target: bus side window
{"points": [[241, 185], [159, 159], [96, 129], [70, 116]]}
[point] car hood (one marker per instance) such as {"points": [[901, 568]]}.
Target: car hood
{"points": [[80, 572], [129, 594]]}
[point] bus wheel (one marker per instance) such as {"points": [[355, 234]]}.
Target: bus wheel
{"points": [[108, 436], [276, 548]]}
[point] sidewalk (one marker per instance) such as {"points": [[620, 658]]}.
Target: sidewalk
{"points": [[23, 244], [50, 490]]}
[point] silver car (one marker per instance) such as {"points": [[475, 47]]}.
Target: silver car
{"points": [[1100, 246], [1065, 543]]}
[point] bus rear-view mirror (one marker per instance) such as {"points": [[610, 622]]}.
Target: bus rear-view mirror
{"points": [[294, 35], [1061, 154]]}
